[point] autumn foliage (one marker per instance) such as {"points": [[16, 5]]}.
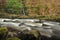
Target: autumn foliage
{"points": [[33, 8], [2, 3]]}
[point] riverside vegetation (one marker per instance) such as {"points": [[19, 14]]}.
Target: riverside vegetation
{"points": [[44, 9]]}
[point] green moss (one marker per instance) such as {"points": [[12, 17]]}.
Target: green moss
{"points": [[13, 38], [3, 30]]}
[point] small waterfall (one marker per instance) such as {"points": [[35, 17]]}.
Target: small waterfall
{"points": [[23, 8]]}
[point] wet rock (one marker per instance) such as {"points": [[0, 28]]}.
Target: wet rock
{"points": [[30, 35], [3, 33]]}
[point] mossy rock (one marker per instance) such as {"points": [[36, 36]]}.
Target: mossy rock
{"points": [[3, 30], [13, 38], [36, 33], [30, 35]]}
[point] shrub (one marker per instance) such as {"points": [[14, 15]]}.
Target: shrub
{"points": [[14, 6]]}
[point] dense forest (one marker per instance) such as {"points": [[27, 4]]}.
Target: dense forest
{"points": [[41, 9]]}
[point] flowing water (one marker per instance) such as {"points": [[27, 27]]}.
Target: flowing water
{"points": [[48, 32]]}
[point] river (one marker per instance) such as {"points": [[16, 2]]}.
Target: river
{"points": [[50, 29]]}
